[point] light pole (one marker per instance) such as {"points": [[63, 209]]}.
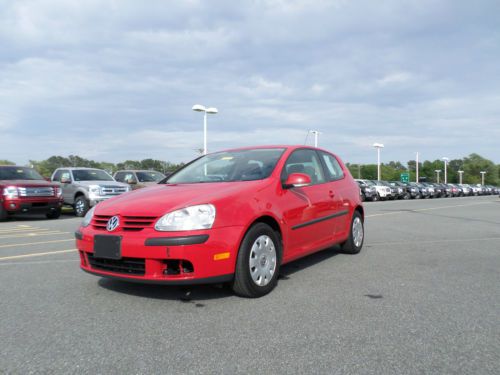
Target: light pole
{"points": [[416, 169], [482, 177], [378, 146], [460, 173], [438, 171], [316, 133], [211, 111], [445, 159]]}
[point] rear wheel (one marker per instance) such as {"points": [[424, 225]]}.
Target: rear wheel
{"points": [[258, 263], [354, 243], [81, 206]]}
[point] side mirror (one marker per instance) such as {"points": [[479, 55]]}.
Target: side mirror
{"points": [[65, 180], [297, 180]]}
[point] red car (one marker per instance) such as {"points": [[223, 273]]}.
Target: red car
{"points": [[232, 216], [23, 190]]}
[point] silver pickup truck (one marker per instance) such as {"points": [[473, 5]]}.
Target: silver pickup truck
{"points": [[83, 188]]}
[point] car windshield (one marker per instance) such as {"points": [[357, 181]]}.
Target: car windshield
{"points": [[19, 173], [91, 175], [150, 176], [229, 166]]}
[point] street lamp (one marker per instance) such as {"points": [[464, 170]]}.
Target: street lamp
{"points": [[316, 133], [416, 169], [482, 177], [438, 171], [460, 173], [211, 111], [378, 146], [446, 160]]}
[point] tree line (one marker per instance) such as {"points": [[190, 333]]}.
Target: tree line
{"points": [[472, 165], [391, 171]]}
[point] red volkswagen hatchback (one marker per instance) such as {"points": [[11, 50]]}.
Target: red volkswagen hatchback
{"points": [[232, 216]]}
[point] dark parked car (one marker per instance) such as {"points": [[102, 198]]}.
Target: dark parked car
{"points": [[367, 190], [402, 189]]}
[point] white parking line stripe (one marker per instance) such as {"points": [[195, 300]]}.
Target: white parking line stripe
{"points": [[39, 262], [427, 209], [434, 241], [35, 243], [14, 230], [37, 254], [33, 234]]}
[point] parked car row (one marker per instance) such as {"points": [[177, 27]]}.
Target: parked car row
{"points": [[371, 190], [24, 190]]}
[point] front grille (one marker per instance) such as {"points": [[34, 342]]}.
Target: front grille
{"points": [[36, 191], [128, 266], [112, 190], [127, 223]]}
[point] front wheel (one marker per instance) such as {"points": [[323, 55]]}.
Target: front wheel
{"points": [[258, 263], [54, 214], [3, 213], [354, 243], [81, 206]]}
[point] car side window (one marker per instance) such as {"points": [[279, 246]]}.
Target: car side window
{"points": [[119, 176], [57, 176], [129, 177], [65, 175], [304, 161], [333, 169]]}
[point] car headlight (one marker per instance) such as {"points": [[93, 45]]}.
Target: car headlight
{"points": [[95, 189], [189, 218], [10, 192], [88, 217]]}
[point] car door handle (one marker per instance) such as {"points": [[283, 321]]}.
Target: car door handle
{"points": [[331, 194]]}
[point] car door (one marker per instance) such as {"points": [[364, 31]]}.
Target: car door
{"points": [[66, 189], [340, 197], [306, 210]]}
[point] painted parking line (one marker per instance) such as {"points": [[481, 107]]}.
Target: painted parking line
{"points": [[24, 229], [433, 241], [35, 243], [427, 209], [33, 234], [37, 254], [23, 263]]}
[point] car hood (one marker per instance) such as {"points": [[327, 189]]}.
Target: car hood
{"points": [[160, 199], [26, 183], [101, 183]]}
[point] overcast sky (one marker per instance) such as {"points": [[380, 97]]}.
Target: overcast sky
{"points": [[116, 80]]}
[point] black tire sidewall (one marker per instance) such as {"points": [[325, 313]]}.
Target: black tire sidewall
{"points": [[348, 247], [247, 287]]}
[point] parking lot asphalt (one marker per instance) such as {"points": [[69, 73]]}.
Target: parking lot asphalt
{"points": [[423, 296]]}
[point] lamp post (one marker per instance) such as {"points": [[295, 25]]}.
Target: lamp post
{"points": [[445, 159], [438, 171], [211, 111], [316, 133], [460, 173], [482, 177], [416, 169], [378, 146]]}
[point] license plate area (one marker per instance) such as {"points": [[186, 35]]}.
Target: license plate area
{"points": [[107, 247]]}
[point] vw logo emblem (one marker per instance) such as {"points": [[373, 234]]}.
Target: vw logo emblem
{"points": [[113, 223]]}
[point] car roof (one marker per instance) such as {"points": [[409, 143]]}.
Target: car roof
{"points": [[138, 170]]}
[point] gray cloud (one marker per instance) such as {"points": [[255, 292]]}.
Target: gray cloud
{"points": [[114, 80]]}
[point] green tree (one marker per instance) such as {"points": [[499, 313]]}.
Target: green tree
{"points": [[6, 162]]}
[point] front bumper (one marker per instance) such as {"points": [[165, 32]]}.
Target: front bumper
{"points": [[174, 258], [31, 205]]}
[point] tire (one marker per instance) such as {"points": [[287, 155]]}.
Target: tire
{"points": [[376, 197], [363, 198], [81, 206], [407, 196], [356, 238], [54, 214], [3, 213], [258, 263]]}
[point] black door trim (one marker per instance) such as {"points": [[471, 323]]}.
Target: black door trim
{"points": [[307, 223]]}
